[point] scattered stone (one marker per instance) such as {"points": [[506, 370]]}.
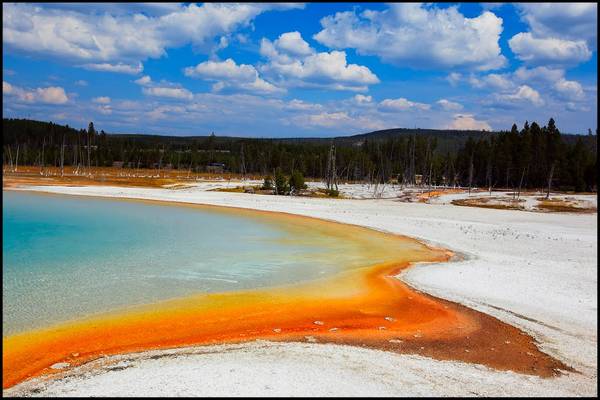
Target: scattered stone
{"points": [[319, 323], [74, 354], [277, 330], [507, 342], [395, 341], [381, 328], [417, 335], [390, 319], [333, 329], [60, 365], [310, 339], [467, 350]]}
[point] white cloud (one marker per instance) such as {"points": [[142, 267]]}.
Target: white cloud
{"points": [[538, 74], [101, 100], [571, 90], [293, 44], [104, 109], [228, 74], [111, 34], [492, 81], [48, 95], [338, 120], [448, 105], [418, 36], [227, 69], [454, 78], [121, 68], [560, 33], [402, 104], [361, 99], [143, 81], [81, 82], [574, 21], [549, 81], [171, 92], [548, 50], [465, 122], [296, 64], [296, 104], [523, 94]]}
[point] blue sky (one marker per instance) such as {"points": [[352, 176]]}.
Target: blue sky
{"points": [[277, 70]]}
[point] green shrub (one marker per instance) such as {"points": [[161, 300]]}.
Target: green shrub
{"points": [[332, 192], [281, 183], [268, 183], [296, 182]]}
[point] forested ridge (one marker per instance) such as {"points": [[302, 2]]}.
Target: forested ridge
{"points": [[533, 156]]}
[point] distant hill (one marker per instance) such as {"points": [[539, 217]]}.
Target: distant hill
{"points": [[447, 140]]}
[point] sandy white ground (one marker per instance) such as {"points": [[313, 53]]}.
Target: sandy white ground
{"points": [[536, 271]]}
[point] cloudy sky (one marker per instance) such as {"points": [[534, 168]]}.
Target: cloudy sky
{"points": [[274, 70]]}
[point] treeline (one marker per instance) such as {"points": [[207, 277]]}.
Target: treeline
{"points": [[532, 157]]}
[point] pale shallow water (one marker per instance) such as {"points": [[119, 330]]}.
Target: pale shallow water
{"points": [[66, 257]]}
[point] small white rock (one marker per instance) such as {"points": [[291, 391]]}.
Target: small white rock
{"points": [[60, 365], [319, 323]]}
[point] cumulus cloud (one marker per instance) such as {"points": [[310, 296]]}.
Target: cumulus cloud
{"points": [[293, 44], [361, 99], [454, 78], [448, 105], [292, 62], [548, 50], [104, 37], [402, 104], [170, 92], [570, 90], [524, 94], [492, 81], [549, 81], [299, 105], [560, 33], [418, 36], [574, 21], [101, 100], [121, 68], [48, 95], [143, 81], [337, 120], [228, 74], [464, 122], [81, 82], [163, 89]]}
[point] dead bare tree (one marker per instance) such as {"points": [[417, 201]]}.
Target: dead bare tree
{"points": [[550, 175], [521, 182], [62, 157], [43, 159], [470, 173], [331, 179], [488, 174], [10, 161], [243, 163]]}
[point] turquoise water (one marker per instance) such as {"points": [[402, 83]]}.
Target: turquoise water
{"points": [[66, 257]]}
